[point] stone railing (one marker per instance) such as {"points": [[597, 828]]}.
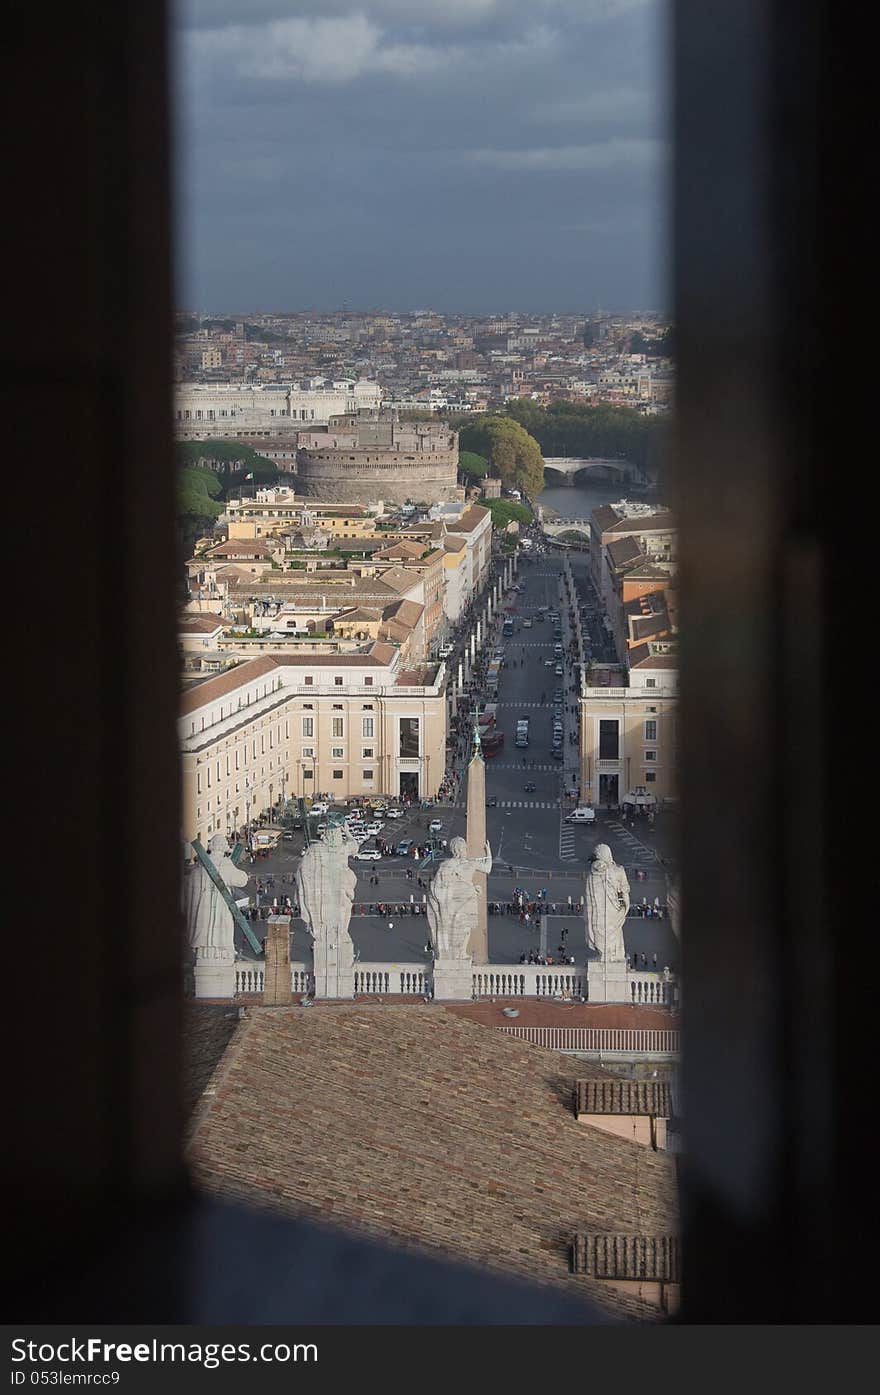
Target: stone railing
{"points": [[529, 981], [392, 978], [250, 977], [301, 979], [489, 981], [653, 989]]}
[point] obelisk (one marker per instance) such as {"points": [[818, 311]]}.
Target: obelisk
{"points": [[478, 946]]}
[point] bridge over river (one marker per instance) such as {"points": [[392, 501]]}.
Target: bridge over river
{"points": [[573, 470]]}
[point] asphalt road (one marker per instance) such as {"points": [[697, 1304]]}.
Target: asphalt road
{"points": [[526, 830]]}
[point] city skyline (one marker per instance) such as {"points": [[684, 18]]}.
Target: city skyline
{"points": [[479, 157]]}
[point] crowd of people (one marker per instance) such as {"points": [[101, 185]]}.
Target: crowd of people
{"points": [[535, 957]]}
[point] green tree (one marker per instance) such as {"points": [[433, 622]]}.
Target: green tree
{"points": [[477, 466], [573, 428], [513, 454], [505, 511]]}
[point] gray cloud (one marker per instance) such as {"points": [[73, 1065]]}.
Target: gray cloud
{"points": [[405, 152]]}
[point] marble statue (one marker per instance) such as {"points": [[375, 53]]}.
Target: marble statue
{"points": [[606, 902], [453, 900], [325, 887], [209, 920]]}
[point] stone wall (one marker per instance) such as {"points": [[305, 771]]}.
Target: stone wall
{"points": [[332, 476]]}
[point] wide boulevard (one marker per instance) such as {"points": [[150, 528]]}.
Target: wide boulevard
{"points": [[532, 845]]}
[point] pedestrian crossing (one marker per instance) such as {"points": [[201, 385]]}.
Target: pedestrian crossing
{"points": [[519, 766], [566, 842], [522, 704], [527, 804], [636, 849]]}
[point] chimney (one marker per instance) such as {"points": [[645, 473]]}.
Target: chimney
{"points": [[276, 984]]}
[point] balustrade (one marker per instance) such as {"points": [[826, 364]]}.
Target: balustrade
{"points": [[652, 989], [411, 979], [529, 981]]}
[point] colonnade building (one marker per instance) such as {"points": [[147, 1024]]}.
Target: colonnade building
{"points": [[284, 724]]}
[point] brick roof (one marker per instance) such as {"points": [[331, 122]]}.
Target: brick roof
{"points": [[470, 519], [378, 655], [208, 1030], [242, 547], [661, 521], [633, 1257], [419, 1127], [613, 1096], [398, 579], [643, 657], [604, 516], [199, 624], [224, 683], [625, 552], [407, 613]]}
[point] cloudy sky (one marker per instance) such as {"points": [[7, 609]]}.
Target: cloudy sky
{"points": [[459, 155]]}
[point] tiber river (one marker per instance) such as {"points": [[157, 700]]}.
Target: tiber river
{"points": [[578, 501]]}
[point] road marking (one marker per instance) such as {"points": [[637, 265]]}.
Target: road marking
{"points": [[636, 848], [526, 804]]}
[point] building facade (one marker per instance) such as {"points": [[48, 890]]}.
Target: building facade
{"points": [[303, 725], [205, 411], [628, 736]]}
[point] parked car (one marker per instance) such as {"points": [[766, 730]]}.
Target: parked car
{"points": [[527, 624], [367, 854], [374, 828], [560, 671], [287, 836], [317, 809], [445, 650], [403, 848], [435, 826], [394, 813], [548, 663], [492, 803], [558, 753], [583, 815], [530, 787]]}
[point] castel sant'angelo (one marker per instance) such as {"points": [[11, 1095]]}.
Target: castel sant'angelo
{"points": [[368, 455]]}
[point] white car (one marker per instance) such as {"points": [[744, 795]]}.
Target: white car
{"points": [[435, 826], [583, 815], [394, 813], [368, 855], [318, 809], [445, 650], [374, 828]]}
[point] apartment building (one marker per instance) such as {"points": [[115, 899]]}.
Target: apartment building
{"points": [[651, 526], [628, 721], [473, 524], [286, 724]]}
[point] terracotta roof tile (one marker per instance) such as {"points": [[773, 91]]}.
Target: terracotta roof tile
{"points": [[224, 683], [413, 1125]]}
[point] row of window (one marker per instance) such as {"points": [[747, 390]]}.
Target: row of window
{"points": [[337, 726], [409, 744], [209, 415], [609, 738]]}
